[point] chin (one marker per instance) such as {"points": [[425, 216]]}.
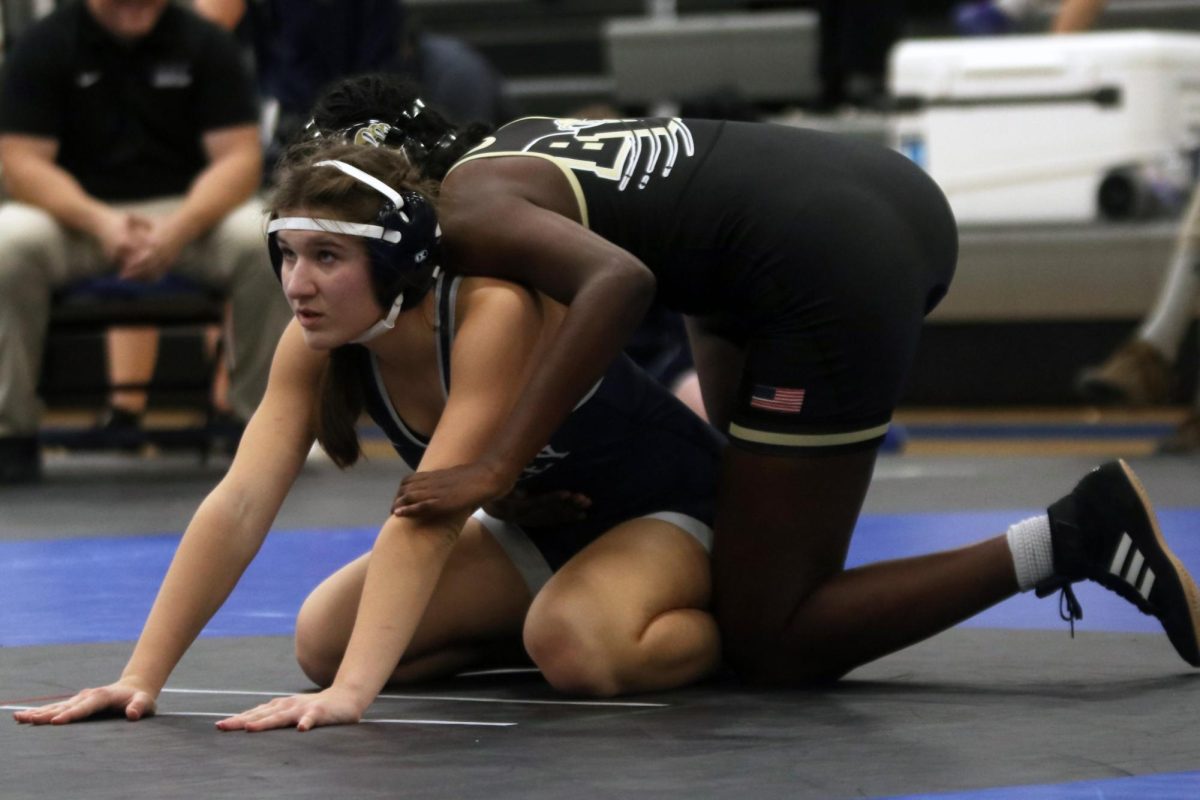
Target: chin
{"points": [[323, 340]]}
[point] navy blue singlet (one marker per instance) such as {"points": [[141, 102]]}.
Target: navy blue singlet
{"points": [[630, 446]]}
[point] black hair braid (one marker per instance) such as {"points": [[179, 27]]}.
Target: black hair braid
{"points": [[442, 159], [391, 98]]}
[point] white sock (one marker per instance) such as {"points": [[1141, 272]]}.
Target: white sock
{"points": [[1033, 555]]}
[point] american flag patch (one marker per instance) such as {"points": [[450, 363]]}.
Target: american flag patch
{"points": [[778, 399]]}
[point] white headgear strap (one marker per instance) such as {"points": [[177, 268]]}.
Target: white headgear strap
{"points": [[369, 180], [333, 226]]}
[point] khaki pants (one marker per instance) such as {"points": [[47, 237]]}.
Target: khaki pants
{"points": [[38, 256]]}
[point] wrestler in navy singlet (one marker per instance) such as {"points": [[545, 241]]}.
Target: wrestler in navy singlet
{"points": [[818, 253], [629, 446]]}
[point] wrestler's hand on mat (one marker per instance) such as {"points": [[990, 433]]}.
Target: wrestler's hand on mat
{"points": [[125, 698], [538, 510], [459, 490], [303, 712]]}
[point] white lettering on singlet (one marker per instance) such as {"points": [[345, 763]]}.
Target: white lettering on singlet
{"points": [[617, 150], [544, 460]]}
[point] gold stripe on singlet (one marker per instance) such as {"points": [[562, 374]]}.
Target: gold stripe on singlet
{"points": [[570, 175], [807, 440]]}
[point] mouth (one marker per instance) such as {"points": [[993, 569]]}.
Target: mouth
{"points": [[307, 317]]}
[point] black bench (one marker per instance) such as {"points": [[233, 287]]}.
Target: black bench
{"points": [[74, 370]]}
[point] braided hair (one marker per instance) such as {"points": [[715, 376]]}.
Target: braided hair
{"points": [[355, 107]]}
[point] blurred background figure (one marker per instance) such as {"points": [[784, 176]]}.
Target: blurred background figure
{"points": [[856, 37], [129, 146], [1141, 371], [299, 46], [994, 17], [296, 48]]}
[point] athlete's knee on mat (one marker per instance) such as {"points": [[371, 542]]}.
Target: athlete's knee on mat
{"points": [[570, 652], [771, 653], [778, 664], [318, 656], [320, 667]]}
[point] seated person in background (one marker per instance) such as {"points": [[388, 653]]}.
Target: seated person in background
{"points": [[302, 45], [132, 356], [129, 145], [1140, 371], [456, 78]]}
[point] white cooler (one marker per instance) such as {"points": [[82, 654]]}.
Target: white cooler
{"points": [[1065, 128]]}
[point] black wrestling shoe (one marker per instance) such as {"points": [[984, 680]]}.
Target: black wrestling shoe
{"points": [[1105, 531], [118, 429], [20, 459], [224, 432]]}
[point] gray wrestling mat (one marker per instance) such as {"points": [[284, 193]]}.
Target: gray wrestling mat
{"points": [[979, 712], [968, 710]]}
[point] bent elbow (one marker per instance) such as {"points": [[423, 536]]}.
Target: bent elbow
{"points": [[637, 285], [639, 278]]}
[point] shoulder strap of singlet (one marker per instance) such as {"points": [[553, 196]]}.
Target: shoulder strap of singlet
{"points": [[447, 299]]}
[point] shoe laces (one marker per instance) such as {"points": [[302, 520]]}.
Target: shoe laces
{"points": [[1068, 607]]}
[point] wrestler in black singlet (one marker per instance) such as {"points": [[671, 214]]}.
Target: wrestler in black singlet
{"points": [[629, 446], [818, 253]]}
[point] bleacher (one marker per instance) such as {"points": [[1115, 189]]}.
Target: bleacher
{"points": [[552, 53]]}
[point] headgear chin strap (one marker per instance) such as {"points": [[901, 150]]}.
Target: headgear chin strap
{"points": [[382, 326], [387, 323]]}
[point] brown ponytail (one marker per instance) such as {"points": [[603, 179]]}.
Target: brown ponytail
{"points": [[341, 405]]}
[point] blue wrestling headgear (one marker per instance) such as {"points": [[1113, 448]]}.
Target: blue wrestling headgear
{"points": [[402, 245]]}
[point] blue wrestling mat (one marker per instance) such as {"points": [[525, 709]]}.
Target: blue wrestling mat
{"points": [[84, 590], [1164, 786]]}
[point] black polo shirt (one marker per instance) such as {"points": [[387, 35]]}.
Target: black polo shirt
{"points": [[128, 117]]}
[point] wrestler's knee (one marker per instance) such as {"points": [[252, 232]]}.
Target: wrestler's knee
{"points": [[570, 653], [318, 656], [773, 654]]}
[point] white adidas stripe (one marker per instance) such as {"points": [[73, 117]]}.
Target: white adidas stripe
{"points": [[1135, 567], [1147, 582], [1122, 551], [1130, 573]]}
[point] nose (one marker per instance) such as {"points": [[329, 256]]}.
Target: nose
{"points": [[297, 280]]}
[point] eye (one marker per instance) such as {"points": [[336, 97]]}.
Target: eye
{"points": [[326, 256], [288, 254]]}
